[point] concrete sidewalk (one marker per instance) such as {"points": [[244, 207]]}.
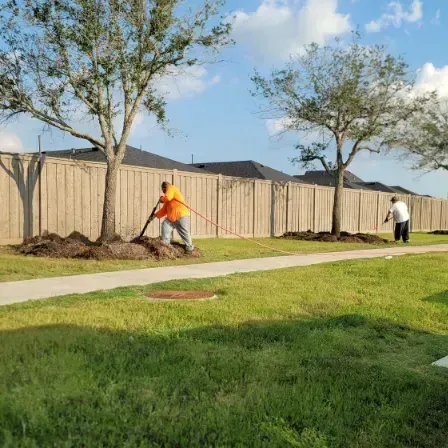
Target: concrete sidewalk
{"points": [[21, 291]]}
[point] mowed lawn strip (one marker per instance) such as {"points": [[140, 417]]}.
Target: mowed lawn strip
{"points": [[17, 267], [329, 355]]}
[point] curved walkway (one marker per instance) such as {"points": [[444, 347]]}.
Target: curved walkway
{"points": [[22, 291]]}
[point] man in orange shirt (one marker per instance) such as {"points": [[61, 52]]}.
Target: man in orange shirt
{"points": [[177, 216]]}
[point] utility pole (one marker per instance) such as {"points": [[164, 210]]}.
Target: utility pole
{"points": [[192, 159]]}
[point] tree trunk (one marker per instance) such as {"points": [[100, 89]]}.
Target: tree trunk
{"points": [[337, 206], [110, 193]]}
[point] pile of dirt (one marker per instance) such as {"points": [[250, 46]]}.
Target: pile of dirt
{"points": [[344, 238], [439, 232], [77, 245]]}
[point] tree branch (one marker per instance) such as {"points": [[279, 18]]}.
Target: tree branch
{"points": [[368, 148]]}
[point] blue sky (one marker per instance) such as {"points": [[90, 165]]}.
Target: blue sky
{"points": [[215, 116]]}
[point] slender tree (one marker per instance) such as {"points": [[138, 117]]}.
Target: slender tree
{"points": [[355, 97], [61, 60]]}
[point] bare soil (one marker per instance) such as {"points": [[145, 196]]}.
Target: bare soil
{"points": [[77, 245], [439, 232], [344, 238]]}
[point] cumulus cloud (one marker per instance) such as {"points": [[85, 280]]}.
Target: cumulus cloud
{"points": [[396, 15], [276, 126], [187, 82], [279, 28], [430, 78], [10, 142], [176, 85]]}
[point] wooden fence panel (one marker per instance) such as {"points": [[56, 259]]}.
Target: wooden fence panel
{"points": [[73, 197], [426, 210], [350, 205], [369, 212], [323, 210], [435, 214], [444, 216]]}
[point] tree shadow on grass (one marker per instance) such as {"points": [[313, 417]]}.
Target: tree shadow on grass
{"points": [[442, 298], [345, 381]]}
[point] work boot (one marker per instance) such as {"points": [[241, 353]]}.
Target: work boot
{"points": [[188, 251]]}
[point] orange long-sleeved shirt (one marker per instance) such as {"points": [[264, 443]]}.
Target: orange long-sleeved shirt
{"points": [[171, 208]]}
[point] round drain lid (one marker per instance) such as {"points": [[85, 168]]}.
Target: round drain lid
{"points": [[180, 295]]}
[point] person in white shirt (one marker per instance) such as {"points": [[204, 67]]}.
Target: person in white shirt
{"points": [[400, 213]]}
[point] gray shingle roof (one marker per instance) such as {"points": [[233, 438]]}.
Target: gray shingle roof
{"points": [[133, 157], [321, 177], [248, 169], [402, 190], [377, 186]]}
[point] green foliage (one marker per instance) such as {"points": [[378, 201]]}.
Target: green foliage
{"points": [[103, 59], [353, 94], [424, 140]]}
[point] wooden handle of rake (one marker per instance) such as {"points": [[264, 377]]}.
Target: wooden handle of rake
{"points": [[150, 219]]}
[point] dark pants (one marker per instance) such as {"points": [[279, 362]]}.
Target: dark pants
{"points": [[402, 231]]}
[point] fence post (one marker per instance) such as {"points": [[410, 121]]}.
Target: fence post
{"points": [[430, 222], [273, 198], [359, 211], [441, 215], [255, 203], [378, 213], [219, 206], [174, 177], [421, 214], [288, 212], [314, 209]]}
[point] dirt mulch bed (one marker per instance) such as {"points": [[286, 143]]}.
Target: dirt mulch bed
{"points": [[77, 245], [439, 232], [344, 238]]}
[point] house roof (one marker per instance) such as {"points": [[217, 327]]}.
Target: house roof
{"points": [[248, 169], [377, 186], [321, 177], [132, 156], [402, 190]]}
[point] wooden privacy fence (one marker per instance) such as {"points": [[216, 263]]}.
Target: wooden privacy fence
{"points": [[72, 195]]}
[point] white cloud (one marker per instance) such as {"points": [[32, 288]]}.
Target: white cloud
{"points": [[395, 16], [436, 19], [10, 142], [185, 83], [178, 84], [278, 28], [276, 126], [431, 78]]}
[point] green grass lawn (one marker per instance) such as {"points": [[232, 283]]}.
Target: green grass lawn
{"points": [[334, 355], [16, 267]]}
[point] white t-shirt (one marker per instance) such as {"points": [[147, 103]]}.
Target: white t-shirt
{"points": [[400, 212]]}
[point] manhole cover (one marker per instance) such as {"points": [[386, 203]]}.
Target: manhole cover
{"points": [[180, 295]]}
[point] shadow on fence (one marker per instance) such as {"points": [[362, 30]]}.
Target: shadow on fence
{"points": [[25, 175]]}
